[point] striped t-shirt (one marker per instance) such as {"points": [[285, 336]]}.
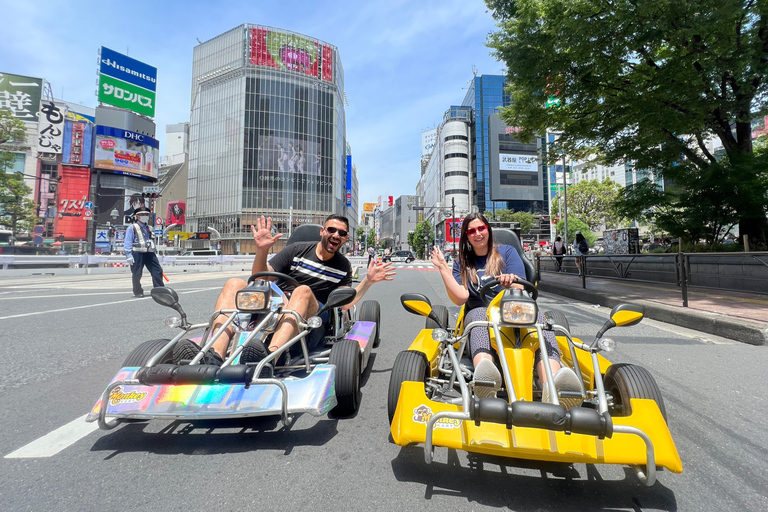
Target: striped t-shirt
{"points": [[300, 261]]}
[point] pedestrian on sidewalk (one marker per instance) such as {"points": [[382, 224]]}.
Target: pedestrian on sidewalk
{"points": [[558, 249], [580, 248], [140, 252]]}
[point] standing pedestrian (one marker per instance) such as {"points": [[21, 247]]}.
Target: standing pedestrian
{"points": [[580, 248], [558, 249], [371, 255], [139, 251]]}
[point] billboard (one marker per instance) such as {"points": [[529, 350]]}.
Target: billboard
{"points": [[428, 140], [50, 128], [282, 154], [76, 146], [132, 200], [73, 194], [349, 180], [126, 83], [126, 152], [368, 207], [291, 52], [176, 213], [514, 165], [21, 95], [453, 229]]}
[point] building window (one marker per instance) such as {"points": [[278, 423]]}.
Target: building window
{"points": [[456, 155]]}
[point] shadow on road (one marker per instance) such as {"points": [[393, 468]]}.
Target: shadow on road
{"points": [[525, 485], [214, 437]]}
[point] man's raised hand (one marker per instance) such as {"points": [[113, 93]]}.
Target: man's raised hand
{"points": [[262, 233]]}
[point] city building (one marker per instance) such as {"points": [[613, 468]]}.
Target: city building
{"points": [[267, 134]]}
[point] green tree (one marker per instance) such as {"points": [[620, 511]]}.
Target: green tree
{"points": [[648, 83], [360, 234], [575, 224], [525, 219], [421, 238], [593, 202], [371, 238], [16, 210]]}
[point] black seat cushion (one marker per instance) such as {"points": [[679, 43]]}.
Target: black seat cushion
{"points": [[509, 237], [305, 233]]}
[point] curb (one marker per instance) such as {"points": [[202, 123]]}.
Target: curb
{"points": [[744, 331]]}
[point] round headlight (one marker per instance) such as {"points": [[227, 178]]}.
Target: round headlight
{"points": [[173, 322], [606, 344], [314, 322], [439, 334]]}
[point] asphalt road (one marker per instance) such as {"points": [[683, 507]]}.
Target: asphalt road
{"points": [[64, 337]]}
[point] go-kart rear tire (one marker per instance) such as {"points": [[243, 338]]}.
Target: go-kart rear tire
{"points": [[370, 311], [440, 312], [625, 381], [141, 355], [410, 366], [345, 354]]}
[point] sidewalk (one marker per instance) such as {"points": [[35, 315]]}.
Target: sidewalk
{"points": [[737, 316]]}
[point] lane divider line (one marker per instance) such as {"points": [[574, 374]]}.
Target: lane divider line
{"points": [[55, 441]]}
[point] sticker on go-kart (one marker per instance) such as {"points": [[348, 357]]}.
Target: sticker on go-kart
{"points": [[119, 396], [423, 413]]}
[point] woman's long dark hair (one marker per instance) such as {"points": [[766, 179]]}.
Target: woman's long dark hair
{"points": [[467, 256]]}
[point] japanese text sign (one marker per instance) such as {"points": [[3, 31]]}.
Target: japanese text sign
{"points": [[21, 95]]}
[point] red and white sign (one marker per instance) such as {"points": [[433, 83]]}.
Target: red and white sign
{"points": [[87, 213], [107, 143], [159, 221]]}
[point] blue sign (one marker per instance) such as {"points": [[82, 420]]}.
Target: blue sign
{"points": [[89, 205], [158, 232], [128, 135], [349, 180], [127, 69]]}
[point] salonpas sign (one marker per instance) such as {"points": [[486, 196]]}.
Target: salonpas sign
{"points": [[126, 83]]}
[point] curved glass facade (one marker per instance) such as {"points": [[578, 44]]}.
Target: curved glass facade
{"points": [[267, 133]]}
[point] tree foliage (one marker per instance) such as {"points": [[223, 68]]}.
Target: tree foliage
{"points": [[647, 83], [575, 224], [16, 210], [592, 201], [421, 239], [525, 219]]}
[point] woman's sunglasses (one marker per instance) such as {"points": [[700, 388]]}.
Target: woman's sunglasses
{"points": [[478, 229], [332, 230]]}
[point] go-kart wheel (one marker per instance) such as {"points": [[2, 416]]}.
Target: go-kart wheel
{"points": [[558, 318], [441, 312], [141, 355], [370, 311], [345, 354], [278, 275], [486, 293], [410, 366], [625, 381]]}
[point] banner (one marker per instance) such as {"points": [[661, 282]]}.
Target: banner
{"points": [[176, 213], [368, 207], [428, 140], [50, 128], [124, 95], [453, 229], [73, 194], [126, 152], [21, 95], [76, 147], [349, 180]]}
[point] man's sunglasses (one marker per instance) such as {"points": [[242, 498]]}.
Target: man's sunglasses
{"points": [[478, 229], [332, 230]]}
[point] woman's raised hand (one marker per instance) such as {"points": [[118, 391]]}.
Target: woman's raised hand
{"points": [[438, 259]]}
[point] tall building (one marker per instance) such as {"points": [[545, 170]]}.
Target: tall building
{"points": [[267, 133]]}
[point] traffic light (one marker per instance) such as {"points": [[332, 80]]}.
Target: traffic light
{"points": [[150, 195]]}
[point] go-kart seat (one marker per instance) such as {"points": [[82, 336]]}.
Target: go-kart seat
{"points": [[305, 233], [509, 237]]}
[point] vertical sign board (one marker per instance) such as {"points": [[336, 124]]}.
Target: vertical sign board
{"points": [[21, 95], [73, 194], [127, 83], [50, 128], [349, 180]]}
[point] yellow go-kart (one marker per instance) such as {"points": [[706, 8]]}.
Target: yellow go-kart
{"points": [[621, 419]]}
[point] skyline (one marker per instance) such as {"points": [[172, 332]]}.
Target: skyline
{"points": [[416, 61]]}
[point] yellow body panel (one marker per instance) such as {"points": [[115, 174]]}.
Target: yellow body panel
{"points": [[431, 348], [414, 409]]}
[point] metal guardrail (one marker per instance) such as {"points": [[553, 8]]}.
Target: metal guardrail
{"points": [[732, 271], [89, 261]]}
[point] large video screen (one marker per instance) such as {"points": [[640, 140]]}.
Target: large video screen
{"points": [[291, 52], [514, 165], [126, 152]]}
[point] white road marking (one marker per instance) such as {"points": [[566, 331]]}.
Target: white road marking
{"points": [[53, 442], [48, 311]]}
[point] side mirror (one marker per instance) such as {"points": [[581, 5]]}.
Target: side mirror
{"points": [[165, 296], [338, 297], [627, 314], [416, 303]]}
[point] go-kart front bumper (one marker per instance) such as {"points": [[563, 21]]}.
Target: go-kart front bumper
{"points": [[126, 398], [641, 439]]}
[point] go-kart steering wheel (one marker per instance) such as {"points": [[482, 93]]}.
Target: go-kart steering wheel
{"points": [[278, 275], [527, 286]]}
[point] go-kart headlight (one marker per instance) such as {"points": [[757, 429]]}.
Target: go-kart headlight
{"points": [[518, 309], [254, 297]]}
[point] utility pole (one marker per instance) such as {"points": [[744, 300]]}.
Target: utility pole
{"points": [[565, 203]]}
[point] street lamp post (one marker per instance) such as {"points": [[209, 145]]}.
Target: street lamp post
{"points": [[453, 224]]}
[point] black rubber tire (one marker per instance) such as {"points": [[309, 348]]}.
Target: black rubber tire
{"points": [[440, 312], [370, 311], [625, 381], [558, 317], [345, 354], [410, 366], [141, 355]]}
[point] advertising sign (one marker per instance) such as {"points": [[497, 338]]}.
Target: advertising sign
{"points": [[110, 199], [428, 140], [127, 69], [126, 152], [368, 207], [76, 147], [21, 95], [50, 128], [527, 163], [176, 213], [286, 155], [133, 200], [453, 229], [514, 165], [124, 95], [291, 52], [73, 194], [349, 180]]}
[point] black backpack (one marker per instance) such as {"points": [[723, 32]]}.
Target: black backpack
{"points": [[583, 247]]}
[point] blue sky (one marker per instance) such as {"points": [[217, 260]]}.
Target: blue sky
{"points": [[405, 62]]}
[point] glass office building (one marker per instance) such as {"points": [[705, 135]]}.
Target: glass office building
{"points": [[267, 133], [486, 96]]}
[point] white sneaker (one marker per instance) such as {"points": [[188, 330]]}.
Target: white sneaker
{"points": [[565, 380], [486, 371]]}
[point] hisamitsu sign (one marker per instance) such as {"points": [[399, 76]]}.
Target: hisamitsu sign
{"points": [[127, 69]]}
